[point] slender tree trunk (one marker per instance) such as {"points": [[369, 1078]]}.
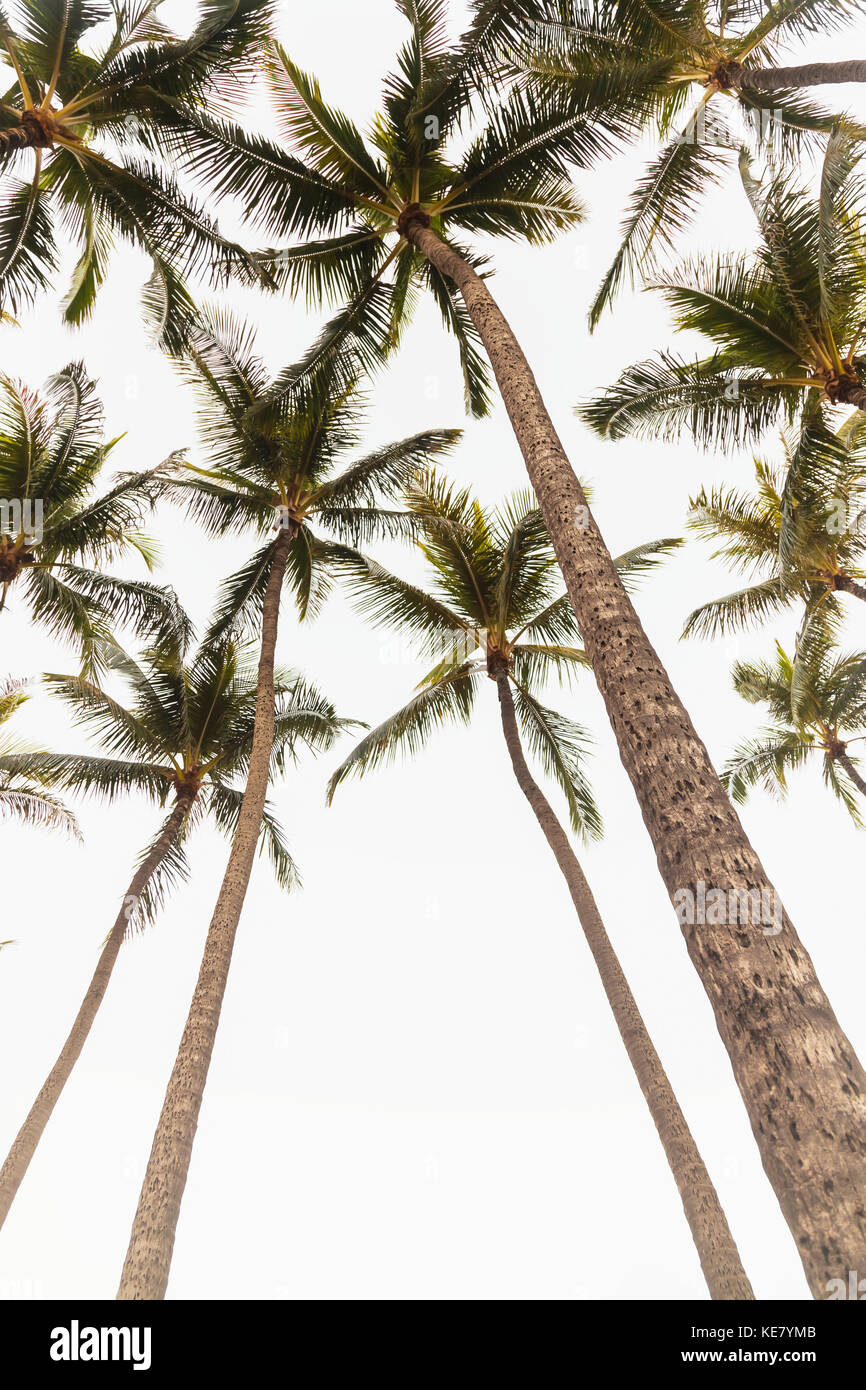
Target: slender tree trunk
{"points": [[718, 1254], [803, 1086], [803, 75], [850, 586], [33, 133], [853, 394], [151, 1241], [24, 1146], [852, 773]]}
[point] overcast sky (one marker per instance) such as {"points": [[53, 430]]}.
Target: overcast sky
{"points": [[417, 1089]]}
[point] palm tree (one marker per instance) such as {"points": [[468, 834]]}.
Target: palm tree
{"points": [[787, 328], [677, 67], [495, 607], [24, 796], [801, 530], [399, 203], [817, 702], [270, 461], [92, 126], [52, 528], [183, 739]]}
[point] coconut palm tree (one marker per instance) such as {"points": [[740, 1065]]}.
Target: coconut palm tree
{"points": [[274, 467], [817, 703], [680, 68], [495, 607], [25, 796], [787, 326], [54, 533], [183, 739], [801, 531], [398, 204], [96, 87]]}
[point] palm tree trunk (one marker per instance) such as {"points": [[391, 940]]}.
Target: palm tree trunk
{"points": [[24, 1146], [32, 134], [151, 1241], [850, 586], [718, 1254], [803, 75], [852, 773], [802, 1084]]}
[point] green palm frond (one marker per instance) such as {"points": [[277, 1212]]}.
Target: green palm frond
{"points": [[407, 731]]}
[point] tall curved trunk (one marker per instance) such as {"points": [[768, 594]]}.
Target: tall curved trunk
{"points": [[801, 1081], [24, 1146], [850, 586], [802, 75], [853, 773], [718, 1254], [151, 1241], [853, 394], [32, 133]]}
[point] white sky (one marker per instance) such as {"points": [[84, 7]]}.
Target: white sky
{"points": [[417, 1090]]}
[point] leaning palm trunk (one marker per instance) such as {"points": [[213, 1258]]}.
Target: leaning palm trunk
{"points": [[802, 75], [850, 586], [718, 1254], [852, 773], [151, 1241], [24, 1146], [801, 1081], [33, 132]]}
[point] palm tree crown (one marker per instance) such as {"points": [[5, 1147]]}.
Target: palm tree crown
{"points": [[52, 529], [800, 532], [495, 605], [681, 67], [93, 125], [184, 735], [351, 198], [817, 704], [787, 326], [275, 464]]}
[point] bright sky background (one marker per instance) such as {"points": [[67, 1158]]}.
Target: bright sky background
{"points": [[417, 1090]]}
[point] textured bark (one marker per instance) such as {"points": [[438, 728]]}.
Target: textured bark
{"points": [[148, 1258], [802, 75], [852, 773], [854, 395], [847, 585], [24, 1146], [34, 132], [803, 1086], [717, 1251]]}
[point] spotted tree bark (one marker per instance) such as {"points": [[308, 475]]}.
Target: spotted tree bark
{"points": [[801, 1081]]}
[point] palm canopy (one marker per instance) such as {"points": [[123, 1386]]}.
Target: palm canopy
{"points": [[494, 605], [787, 326], [817, 705], [348, 196], [185, 732], [25, 793], [53, 529], [289, 463], [679, 68], [96, 88], [800, 532]]}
